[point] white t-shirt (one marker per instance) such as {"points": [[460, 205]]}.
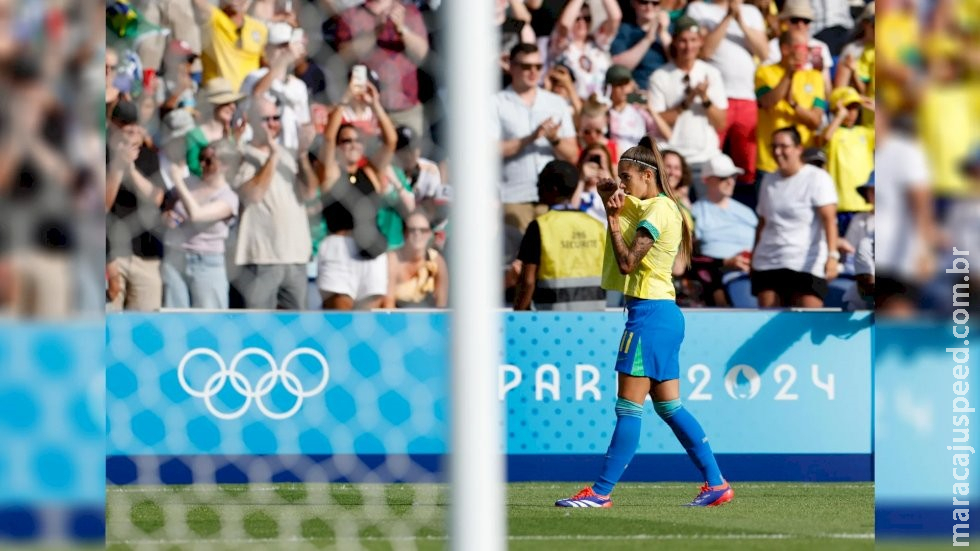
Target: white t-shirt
{"points": [[294, 97], [627, 127], [794, 237], [861, 234], [429, 182], [900, 166], [588, 65], [732, 57], [516, 120], [819, 58], [692, 136]]}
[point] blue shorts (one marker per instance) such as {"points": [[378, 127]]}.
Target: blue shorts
{"points": [[651, 343]]}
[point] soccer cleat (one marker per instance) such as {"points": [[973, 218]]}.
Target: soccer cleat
{"points": [[713, 497], [585, 498]]}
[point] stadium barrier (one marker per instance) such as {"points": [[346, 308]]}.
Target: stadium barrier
{"points": [[235, 397], [52, 481]]}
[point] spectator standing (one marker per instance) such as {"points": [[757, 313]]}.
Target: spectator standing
{"points": [[419, 276], [832, 23], [857, 59], [678, 176], [193, 269], [861, 235], [630, 118], [903, 247], [232, 41], [423, 176], [594, 165], [274, 234], [535, 127], [641, 45], [689, 95], [561, 253], [797, 16], [724, 234], [735, 38], [389, 37], [222, 124], [352, 267], [176, 87], [276, 80], [850, 150], [795, 251], [178, 17], [789, 95], [134, 193], [586, 53], [593, 129]]}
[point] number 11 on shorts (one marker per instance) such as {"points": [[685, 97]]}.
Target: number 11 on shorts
{"points": [[625, 342]]}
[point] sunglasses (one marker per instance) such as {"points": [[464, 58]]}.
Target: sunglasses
{"points": [[586, 18], [530, 66], [346, 141], [798, 20], [648, 2], [271, 118]]}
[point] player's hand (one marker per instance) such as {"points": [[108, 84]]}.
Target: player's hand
{"points": [[832, 268], [615, 203], [606, 188]]}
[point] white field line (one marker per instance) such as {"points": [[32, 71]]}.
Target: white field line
{"points": [[636, 537], [194, 488]]}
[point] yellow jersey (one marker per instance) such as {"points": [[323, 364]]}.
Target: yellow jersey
{"points": [[231, 52], [807, 89], [652, 279], [850, 160], [947, 134]]}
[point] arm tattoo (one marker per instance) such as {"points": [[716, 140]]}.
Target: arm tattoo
{"points": [[629, 257]]}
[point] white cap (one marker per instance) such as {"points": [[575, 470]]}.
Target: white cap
{"points": [[280, 33], [721, 166]]}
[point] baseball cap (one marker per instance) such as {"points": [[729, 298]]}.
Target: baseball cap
{"points": [[684, 23], [279, 34], [814, 156], [406, 137], [177, 123], [844, 95], [797, 8], [721, 166], [125, 113], [618, 75]]}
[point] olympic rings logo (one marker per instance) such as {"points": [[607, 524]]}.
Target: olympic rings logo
{"points": [[243, 386]]}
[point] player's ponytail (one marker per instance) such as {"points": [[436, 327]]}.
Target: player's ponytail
{"points": [[646, 158]]}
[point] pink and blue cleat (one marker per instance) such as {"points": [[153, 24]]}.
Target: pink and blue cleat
{"points": [[585, 498], [713, 496]]}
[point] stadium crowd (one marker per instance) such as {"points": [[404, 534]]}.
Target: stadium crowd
{"points": [[289, 154]]}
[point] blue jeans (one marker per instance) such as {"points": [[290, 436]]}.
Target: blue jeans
{"points": [[194, 280]]}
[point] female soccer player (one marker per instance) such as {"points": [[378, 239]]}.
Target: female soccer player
{"points": [[646, 230]]}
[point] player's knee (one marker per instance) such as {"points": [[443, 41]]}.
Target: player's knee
{"points": [[667, 409], [627, 408]]}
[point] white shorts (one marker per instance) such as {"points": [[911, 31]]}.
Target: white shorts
{"points": [[342, 271]]}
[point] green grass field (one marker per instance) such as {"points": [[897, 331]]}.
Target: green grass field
{"points": [[784, 516]]}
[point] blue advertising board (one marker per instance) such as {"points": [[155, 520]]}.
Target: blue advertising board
{"points": [[782, 395], [51, 412]]}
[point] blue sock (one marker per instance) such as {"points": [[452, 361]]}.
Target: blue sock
{"points": [[625, 439], [690, 434]]}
